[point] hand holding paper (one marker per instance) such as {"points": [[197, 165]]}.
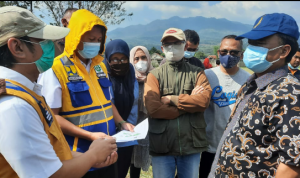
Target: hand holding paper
{"points": [[140, 132]]}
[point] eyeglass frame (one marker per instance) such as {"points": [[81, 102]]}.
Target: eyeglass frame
{"points": [[119, 60], [229, 51], [173, 43]]}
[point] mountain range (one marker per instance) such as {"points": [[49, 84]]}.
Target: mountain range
{"points": [[210, 30]]}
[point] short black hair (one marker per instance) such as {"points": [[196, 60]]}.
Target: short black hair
{"points": [[218, 62], [6, 58], [70, 9], [192, 36], [286, 39], [233, 37]]}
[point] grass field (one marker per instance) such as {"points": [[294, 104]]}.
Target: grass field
{"points": [[149, 174]]}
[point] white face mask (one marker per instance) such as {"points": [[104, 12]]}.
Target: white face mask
{"points": [[174, 52], [141, 66]]}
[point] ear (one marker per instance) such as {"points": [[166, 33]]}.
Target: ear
{"points": [[186, 46], [16, 48], [218, 54], [64, 22], [286, 49], [162, 49]]}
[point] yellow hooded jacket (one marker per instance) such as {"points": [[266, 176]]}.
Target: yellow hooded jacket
{"points": [[51, 126], [86, 98]]}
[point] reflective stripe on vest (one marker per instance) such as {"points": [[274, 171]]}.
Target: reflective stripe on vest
{"points": [[50, 126], [89, 118], [93, 116]]}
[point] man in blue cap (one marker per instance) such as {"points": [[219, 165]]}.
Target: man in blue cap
{"points": [[262, 136]]}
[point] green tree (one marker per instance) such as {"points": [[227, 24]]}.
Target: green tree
{"points": [[200, 55], [25, 4], [154, 50], [111, 12], [216, 48]]}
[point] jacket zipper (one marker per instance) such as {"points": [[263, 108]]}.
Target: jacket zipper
{"points": [[176, 91], [100, 103]]}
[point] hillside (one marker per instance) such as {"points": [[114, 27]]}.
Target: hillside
{"points": [[210, 30]]}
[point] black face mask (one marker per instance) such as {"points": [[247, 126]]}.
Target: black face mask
{"points": [[119, 69]]}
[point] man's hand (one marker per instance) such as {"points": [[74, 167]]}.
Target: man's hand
{"points": [[128, 126], [96, 135], [102, 148], [197, 90], [166, 99], [111, 159]]}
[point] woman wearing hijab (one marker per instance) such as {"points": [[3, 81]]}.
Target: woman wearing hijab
{"points": [[125, 92], [140, 59]]}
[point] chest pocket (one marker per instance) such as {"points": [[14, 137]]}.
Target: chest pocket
{"points": [[187, 88], [79, 93], [167, 91], [105, 84]]}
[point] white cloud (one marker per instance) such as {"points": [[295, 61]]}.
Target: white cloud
{"points": [[134, 5], [166, 8]]}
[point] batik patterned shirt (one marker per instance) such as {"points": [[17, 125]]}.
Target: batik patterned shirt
{"points": [[264, 128]]}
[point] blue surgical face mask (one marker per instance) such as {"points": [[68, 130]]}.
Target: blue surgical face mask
{"points": [[46, 61], [292, 66], [90, 50], [255, 58], [189, 54], [228, 61]]}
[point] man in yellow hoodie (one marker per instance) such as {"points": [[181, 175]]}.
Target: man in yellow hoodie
{"points": [[77, 87]]}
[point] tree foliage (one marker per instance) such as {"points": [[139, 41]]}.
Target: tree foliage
{"points": [[154, 50], [111, 12], [24, 4], [200, 55], [216, 48]]}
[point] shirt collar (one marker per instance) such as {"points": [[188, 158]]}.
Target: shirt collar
{"points": [[86, 65], [10, 74], [267, 78]]}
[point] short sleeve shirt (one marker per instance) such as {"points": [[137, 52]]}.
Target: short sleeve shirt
{"points": [[266, 131]]}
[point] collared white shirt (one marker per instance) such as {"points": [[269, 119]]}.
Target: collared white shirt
{"points": [[23, 140], [51, 87]]}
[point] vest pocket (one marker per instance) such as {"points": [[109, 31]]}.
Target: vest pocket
{"points": [[105, 84], [199, 134], [79, 93], [167, 91], [158, 138], [187, 88]]}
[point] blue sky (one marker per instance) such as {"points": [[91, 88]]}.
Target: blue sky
{"points": [[246, 12]]}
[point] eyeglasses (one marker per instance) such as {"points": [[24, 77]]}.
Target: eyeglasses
{"points": [[231, 52], [192, 49], [177, 43], [142, 58], [115, 60]]}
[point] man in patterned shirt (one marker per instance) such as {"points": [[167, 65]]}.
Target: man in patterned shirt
{"points": [[262, 137]]}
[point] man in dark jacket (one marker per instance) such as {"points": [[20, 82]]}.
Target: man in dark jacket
{"points": [[176, 121], [192, 41]]}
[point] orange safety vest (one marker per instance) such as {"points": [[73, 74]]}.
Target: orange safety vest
{"points": [[51, 126]]}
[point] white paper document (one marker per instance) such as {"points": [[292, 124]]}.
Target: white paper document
{"points": [[140, 132]]}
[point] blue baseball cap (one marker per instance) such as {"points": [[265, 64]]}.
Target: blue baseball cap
{"points": [[270, 24]]}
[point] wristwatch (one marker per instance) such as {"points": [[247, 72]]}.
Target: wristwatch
{"points": [[120, 125]]}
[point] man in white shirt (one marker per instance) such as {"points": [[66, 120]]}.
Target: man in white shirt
{"points": [[30, 145], [225, 81]]}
